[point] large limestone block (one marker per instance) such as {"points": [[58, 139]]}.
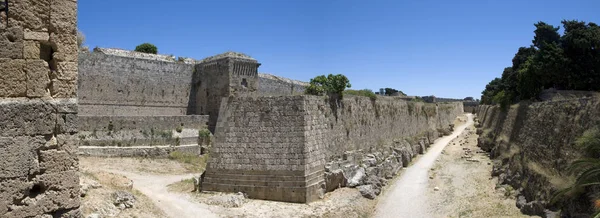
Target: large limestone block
{"points": [[55, 161], [63, 88], [31, 50], [12, 78], [26, 117], [66, 71], [63, 16], [37, 78], [11, 42], [30, 14], [65, 47], [19, 161]]}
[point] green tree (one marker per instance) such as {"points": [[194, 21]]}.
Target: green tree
{"points": [[330, 85], [147, 48], [545, 34]]}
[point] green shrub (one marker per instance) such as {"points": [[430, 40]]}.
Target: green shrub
{"points": [[363, 92], [331, 85], [147, 48]]}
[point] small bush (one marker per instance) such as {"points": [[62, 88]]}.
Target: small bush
{"points": [[364, 92], [147, 48], [179, 129]]}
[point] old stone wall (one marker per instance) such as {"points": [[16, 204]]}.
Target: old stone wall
{"points": [[128, 86], [38, 110], [144, 135], [271, 85], [533, 144], [277, 148]]}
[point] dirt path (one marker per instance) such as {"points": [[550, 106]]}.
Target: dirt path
{"points": [[175, 205], [407, 197]]}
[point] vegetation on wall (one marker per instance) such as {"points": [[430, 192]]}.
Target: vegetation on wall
{"points": [[363, 92], [330, 85], [567, 62], [390, 92], [147, 48], [586, 170]]}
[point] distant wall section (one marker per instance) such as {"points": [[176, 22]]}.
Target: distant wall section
{"points": [[271, 85], [116, 85]]}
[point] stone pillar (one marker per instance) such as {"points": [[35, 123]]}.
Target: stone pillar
{"points": [[38, 109]]}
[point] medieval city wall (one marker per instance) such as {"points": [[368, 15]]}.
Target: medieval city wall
{"points": [[534, 143], [276, 148], [38, 110], [128, 86], [271, 85]]}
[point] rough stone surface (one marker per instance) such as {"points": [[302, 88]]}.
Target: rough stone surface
{"points": [[38, 167], [533, 144], [368, 191], [123, 199], [251, 155]]}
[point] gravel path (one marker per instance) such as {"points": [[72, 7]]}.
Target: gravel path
{"points": [[408, 195], [175, 205]]}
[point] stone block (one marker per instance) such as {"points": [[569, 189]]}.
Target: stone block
{"points": [[65, 105], [66, 123], [11, 42], [12, 78], [31, 50], [63, 88], [65, 47], [30, 14], [55, 161], [18, 156], [38, 36], [68, 143], [66, 71], [63, 16], [26, 117], [37, 78]]}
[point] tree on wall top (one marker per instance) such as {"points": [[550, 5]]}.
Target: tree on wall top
{"points": [[147, 48], [331, 85]]}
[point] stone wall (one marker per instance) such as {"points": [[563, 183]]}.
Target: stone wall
{"points": [[128, 86], [144, 135], [271, 85], [38, 110], [533, 144], [276, 148]]}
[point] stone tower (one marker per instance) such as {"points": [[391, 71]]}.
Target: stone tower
{"points": [[219, 76]]}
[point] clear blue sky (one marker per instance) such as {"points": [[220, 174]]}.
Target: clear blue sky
{"points": [[445, 48]]}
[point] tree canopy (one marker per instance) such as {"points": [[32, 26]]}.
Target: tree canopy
{"points": [[147, 48], [567, 62], [331, 85]]}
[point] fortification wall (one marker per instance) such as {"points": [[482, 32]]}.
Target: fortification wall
{"points": [[139, 135], [276, 148], [127, 86], [270, 85], [533, 144], [38, 110]]}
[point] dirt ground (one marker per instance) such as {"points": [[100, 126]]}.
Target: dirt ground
{"points": [[164, 187], [465, 187]]}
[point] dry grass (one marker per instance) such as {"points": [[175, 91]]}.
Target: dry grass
{"points": [[192, 162], [557, 180]]}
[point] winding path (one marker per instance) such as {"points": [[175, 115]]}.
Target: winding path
{"points": [[175, 205], [407, 197]]}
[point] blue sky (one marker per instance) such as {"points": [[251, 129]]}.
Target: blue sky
{"points": [[445, 48]]}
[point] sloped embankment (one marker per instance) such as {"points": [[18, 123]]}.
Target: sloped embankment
{"points": [[532, 144]]}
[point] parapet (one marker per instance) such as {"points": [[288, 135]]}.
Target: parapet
{"points": [[229, 54]]}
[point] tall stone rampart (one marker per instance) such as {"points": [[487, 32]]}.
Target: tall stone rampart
{"points": [[129, 86], [271, 85], [276, 148], [38, 110], [533, 144]]}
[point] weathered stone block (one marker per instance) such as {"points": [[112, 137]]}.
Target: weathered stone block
{"points": [[66, 123], [66, 71], [19, 161], [65, 47], [33, 35], [12, 78], [55, 161], [30, 14], [31, 50], [63, 88], [63, 16], [26, 117], [37, 78], [65, 105], [68, 143]]}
